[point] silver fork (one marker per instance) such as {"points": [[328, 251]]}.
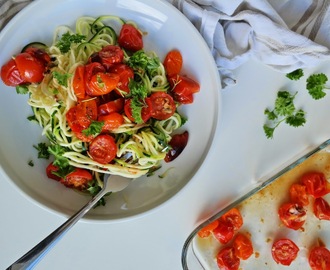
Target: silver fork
{"points": [[113, 183]]}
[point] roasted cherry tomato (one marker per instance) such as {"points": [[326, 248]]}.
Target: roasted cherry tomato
{"points": [[162, 105], [319, 258], [78, 84], [206, 231], [173, 62], [224, 232], [39, 54], [298, 194], [125, 75], [243, 246], [50, 170], [116, 105], [316, 184], [86, 112], [284, 251], [78, 179], [234, 217], [30, 68], [10, 74], [321, 209], [101, 84], [111, 121], [227, 260], [145, 111], [183, 88], [293, 215], [103, 149], [177, 145], [110, 55], [130, 38]]}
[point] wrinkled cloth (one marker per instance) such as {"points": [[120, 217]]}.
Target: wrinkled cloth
{"points": [[285, 35]]}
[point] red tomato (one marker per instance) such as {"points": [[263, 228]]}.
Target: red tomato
{"points": [[39, 54], [51, 168], [111, 121], [234, 218], [321, 209], [242, 246], [316, 184], [116, 105], [78, 179], [183, 88], [130, 38], [227, 260], [173, 62], [101, 84], [86, 112], [10, 74], [284, 251], [177, 145], [78, 84], [30, 68], [125, 75], [145, 112], [111, 54], [162, 105], [298, 194], [293, 215], [224, 232], [319, 258], [103, 149], [206, 231]]}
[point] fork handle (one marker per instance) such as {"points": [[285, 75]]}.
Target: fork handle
{"points": [[32, 257]]}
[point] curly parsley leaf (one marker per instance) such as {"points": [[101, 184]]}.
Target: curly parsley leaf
{"points": [[295, 75], [141, 62], [42, 149], [284, 103], [297, 119], [94, 128], [62, 78], [22, 89], [316, 85], [57, 151], [138, 93], [64, 44]]}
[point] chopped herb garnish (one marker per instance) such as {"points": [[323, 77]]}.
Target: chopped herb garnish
{"points": [[57, 151], [141, 62], [61, 78], [316, 85], [295, 75], [22, 89], [31, 163], [42, 150], [64, 44], [94, 128]]}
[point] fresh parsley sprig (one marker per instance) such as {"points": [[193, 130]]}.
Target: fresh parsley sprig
{"points": [[316, 84], [284, 111], [62, 78], [57, 151], [295, 75], [64, 44]]}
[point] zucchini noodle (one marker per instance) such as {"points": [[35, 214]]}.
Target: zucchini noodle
{"points": [[141, 147]]}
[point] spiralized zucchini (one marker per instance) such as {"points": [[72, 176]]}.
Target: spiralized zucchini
{"points": [[140, 146]]}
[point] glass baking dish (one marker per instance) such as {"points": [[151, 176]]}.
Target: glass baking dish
{"points": [[259, 210]]}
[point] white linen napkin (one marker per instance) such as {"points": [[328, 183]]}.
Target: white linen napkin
{"points": [[285, 34]]}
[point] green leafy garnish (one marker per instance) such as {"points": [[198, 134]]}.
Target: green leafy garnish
{"points": [[22, 89], [57, 151], [141, 62], [284, 111], [31, 163], [64, 44], [42, 150], [138, 93], [295, 75], [316, 85], [94, 128], [61, 78]]}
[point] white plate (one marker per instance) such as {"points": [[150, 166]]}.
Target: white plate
{"points": [[167, 29]]}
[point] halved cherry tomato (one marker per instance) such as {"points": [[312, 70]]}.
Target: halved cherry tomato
{"points": [[78, 84], [111, 54], [224, 232], [145, 112], [319, 258], [10, 74], [130, 38], [162, 105], [39, 54], [30, 68], [234, 217], [321, 209], [78, 179], [284, 251], [86, 112], [298, 194], [173, 62], [177, 144], [125, 75], [183, 88], [316, 184], [103, 149], [243, 246], [111, 121], [293, 215], [50, 169], [101, 84], [206, 231], [116, 105], [227, 260]]}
